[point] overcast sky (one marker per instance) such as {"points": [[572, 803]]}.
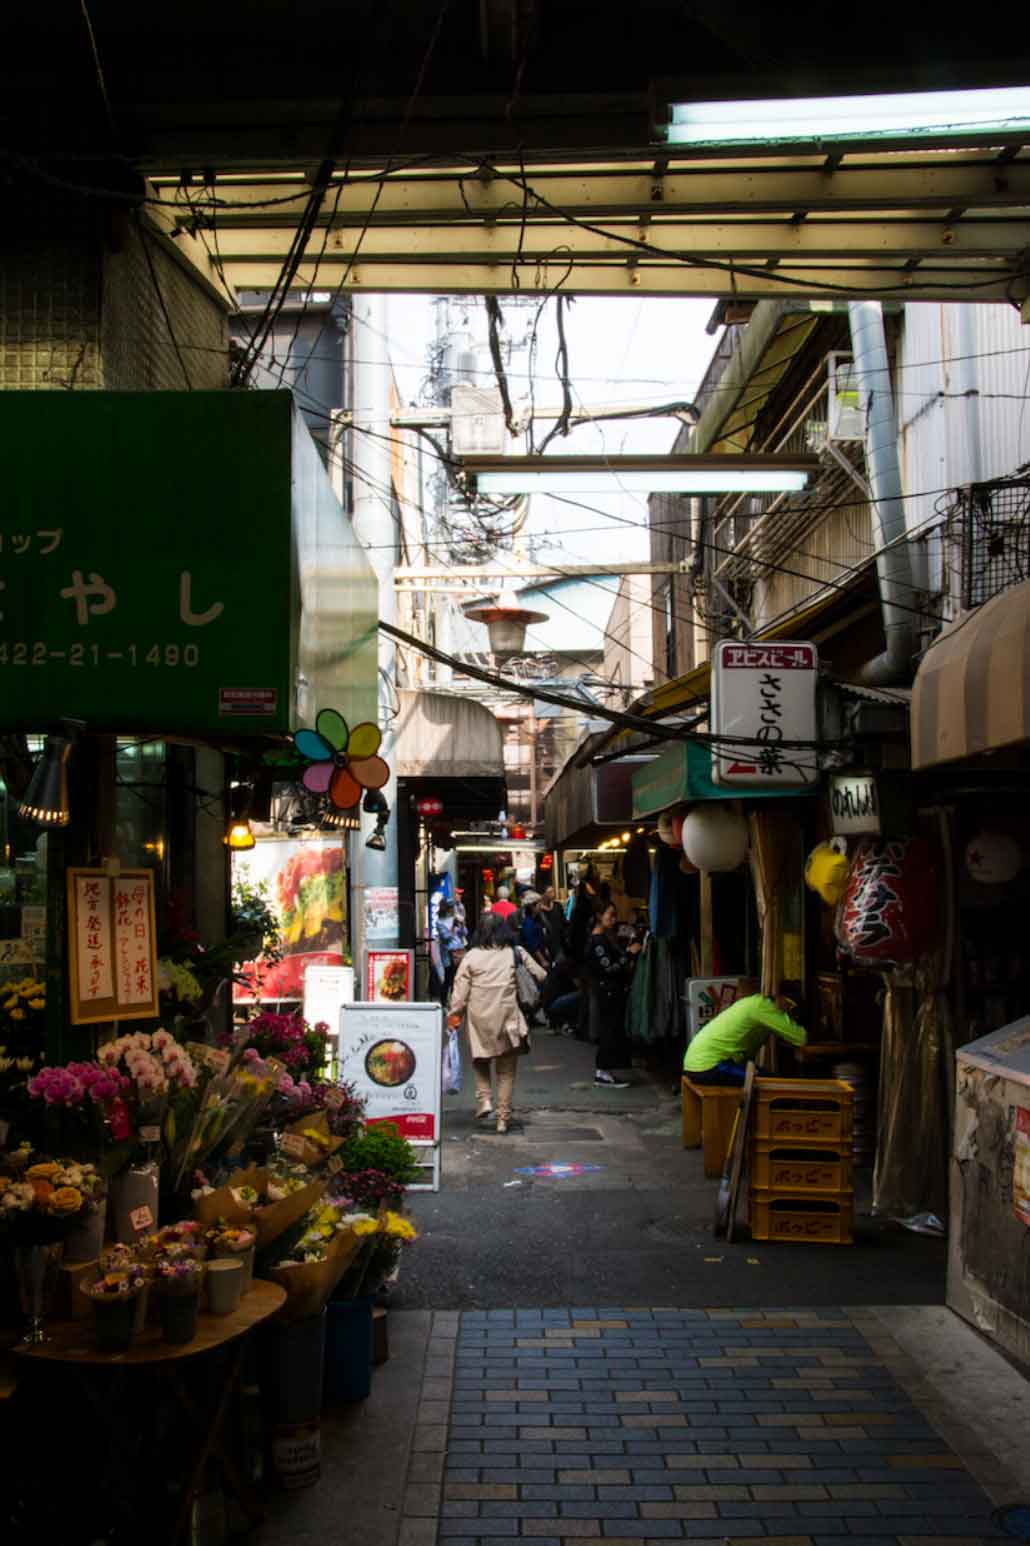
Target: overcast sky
{"points": [[632, 350]]}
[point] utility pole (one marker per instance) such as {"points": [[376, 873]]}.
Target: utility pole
{"points": [[376, 918]]}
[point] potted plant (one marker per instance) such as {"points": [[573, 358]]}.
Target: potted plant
{"points": [[179, 1279], [37, 1212], [115, 1298]]}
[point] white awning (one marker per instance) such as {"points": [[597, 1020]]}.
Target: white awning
{"points": [[439, 736]]}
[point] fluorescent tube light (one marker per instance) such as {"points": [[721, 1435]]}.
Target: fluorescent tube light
{"points": [[770, 481], [920, 114]]}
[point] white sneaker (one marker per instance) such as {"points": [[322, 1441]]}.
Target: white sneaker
{"points": [[602, 1076]]}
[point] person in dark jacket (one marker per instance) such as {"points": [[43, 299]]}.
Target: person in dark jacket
{"points": [[609, 969], [532, 935], [560, 997]]}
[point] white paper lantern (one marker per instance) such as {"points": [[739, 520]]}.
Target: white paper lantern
{"points": [[993, 858], [715, 837]]}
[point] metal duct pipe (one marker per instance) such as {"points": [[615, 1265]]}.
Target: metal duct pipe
{"points": [[893, 562]]}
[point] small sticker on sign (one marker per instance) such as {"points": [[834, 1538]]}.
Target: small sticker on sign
{"points": [[141, 1218]]}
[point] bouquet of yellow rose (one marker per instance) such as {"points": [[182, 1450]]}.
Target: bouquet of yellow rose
{"points": [[39, 1206]]}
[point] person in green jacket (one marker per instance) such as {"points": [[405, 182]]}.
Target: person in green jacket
{"points": [[722, 1049]]}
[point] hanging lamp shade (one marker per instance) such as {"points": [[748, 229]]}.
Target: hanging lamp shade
{"points": [[715, 837], [506, 623], [46, 798]]}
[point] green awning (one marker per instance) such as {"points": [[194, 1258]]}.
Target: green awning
{"points": [[684, 772]]}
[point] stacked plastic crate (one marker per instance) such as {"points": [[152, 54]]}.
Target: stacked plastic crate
{"points": [[801, 1161]]}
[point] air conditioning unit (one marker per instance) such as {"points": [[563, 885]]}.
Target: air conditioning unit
{"points": [[846, 420]]}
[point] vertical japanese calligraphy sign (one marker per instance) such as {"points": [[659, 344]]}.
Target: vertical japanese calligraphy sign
{"points": [[112, 946]]}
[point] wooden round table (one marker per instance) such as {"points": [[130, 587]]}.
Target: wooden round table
{"points": [[71, 1347]]}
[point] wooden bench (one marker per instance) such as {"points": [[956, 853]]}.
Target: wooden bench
{"points": [[708, 1112]]}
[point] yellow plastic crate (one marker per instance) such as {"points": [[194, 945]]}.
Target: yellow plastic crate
{"points": [[782, 1168], [803, 1111], [807, 1219]]}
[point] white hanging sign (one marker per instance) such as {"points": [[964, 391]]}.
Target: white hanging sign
{"points": [[854, 805], [764, 703]]}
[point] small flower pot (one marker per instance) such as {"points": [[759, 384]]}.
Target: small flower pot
{"points": [[114, 1322], [86, 1240], [179, 1316], [246, 1258], [224, 1284]]}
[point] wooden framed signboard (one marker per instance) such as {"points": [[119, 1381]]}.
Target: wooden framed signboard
{"points": [[112, 946]]}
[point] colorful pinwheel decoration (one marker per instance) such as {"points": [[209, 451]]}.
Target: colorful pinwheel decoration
{"points": [[343, 761]]}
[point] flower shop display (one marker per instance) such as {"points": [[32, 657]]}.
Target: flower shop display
{"points": [[224, 1284], [86, 1237], [376, 1166], [310, 1140], [300, 1047], [179, 1279], [115, 1296], [228, 1240], [269, 1201], [38, 1210], [312, 1258], [349, 1328]]}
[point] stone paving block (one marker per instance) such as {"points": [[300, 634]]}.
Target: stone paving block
{"points": [[453, 1509], [560, 1493], [648, 1529], [429, 1437], [703, 1462], [427, 1467], [476, 1529], [520, 1510], [477, 1490], [635, 1494], [678, 1511], [711, 1494], [595, 1510], [596, 1478], [570, 1529], [416, 1532], [421, 1499]]}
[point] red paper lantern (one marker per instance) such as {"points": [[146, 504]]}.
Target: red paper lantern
{"points": [[547, 861], [888, 913]]}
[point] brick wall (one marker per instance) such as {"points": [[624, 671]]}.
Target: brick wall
{"points": [[79, 309]]}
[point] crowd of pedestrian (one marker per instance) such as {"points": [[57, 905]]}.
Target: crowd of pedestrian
{"points": [[581, 964]]}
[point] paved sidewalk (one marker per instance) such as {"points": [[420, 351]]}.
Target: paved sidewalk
{"points": [[789, 1428]]}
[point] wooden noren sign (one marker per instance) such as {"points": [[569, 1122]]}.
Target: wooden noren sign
{"points": [[112, 946]]}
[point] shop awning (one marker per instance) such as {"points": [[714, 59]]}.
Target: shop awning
{"points": [[440, 736], [684, 772], [583, 801], [972, 690]]}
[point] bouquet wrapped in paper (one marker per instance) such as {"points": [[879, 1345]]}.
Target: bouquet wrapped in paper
{"points": [[228, 1102], [313, 1261], [381, 1236], [267, 1201], [309, 1140]]}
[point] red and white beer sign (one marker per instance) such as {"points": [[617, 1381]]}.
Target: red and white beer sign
{"points": [[764, 703]]}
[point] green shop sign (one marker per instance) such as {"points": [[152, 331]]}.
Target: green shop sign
{"points": [[682, 773], [176, 562]]}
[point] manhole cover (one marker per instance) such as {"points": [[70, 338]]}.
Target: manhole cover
{"points": [[564, 1135]]}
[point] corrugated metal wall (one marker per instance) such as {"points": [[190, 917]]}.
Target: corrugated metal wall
{"points": [[961, 382]]}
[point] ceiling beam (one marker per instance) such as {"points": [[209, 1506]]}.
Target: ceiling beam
{"points": [[941, 281], [819, 238], [775, 186]]}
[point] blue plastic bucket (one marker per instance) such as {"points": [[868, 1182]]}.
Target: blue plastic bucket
{"points": [[348, 1349]]}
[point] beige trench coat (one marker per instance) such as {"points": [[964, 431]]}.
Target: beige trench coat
{"points": [[484, 992]]}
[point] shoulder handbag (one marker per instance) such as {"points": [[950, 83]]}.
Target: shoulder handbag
{"points": [[527, 994]]}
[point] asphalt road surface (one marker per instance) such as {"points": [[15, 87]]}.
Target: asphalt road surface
{"points": [[627, 1220]]}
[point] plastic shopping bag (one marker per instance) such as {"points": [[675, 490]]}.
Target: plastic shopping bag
{"points": [[452, 1065]]}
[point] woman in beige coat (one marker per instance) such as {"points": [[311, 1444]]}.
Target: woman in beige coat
{"points": [[484, 993]]}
